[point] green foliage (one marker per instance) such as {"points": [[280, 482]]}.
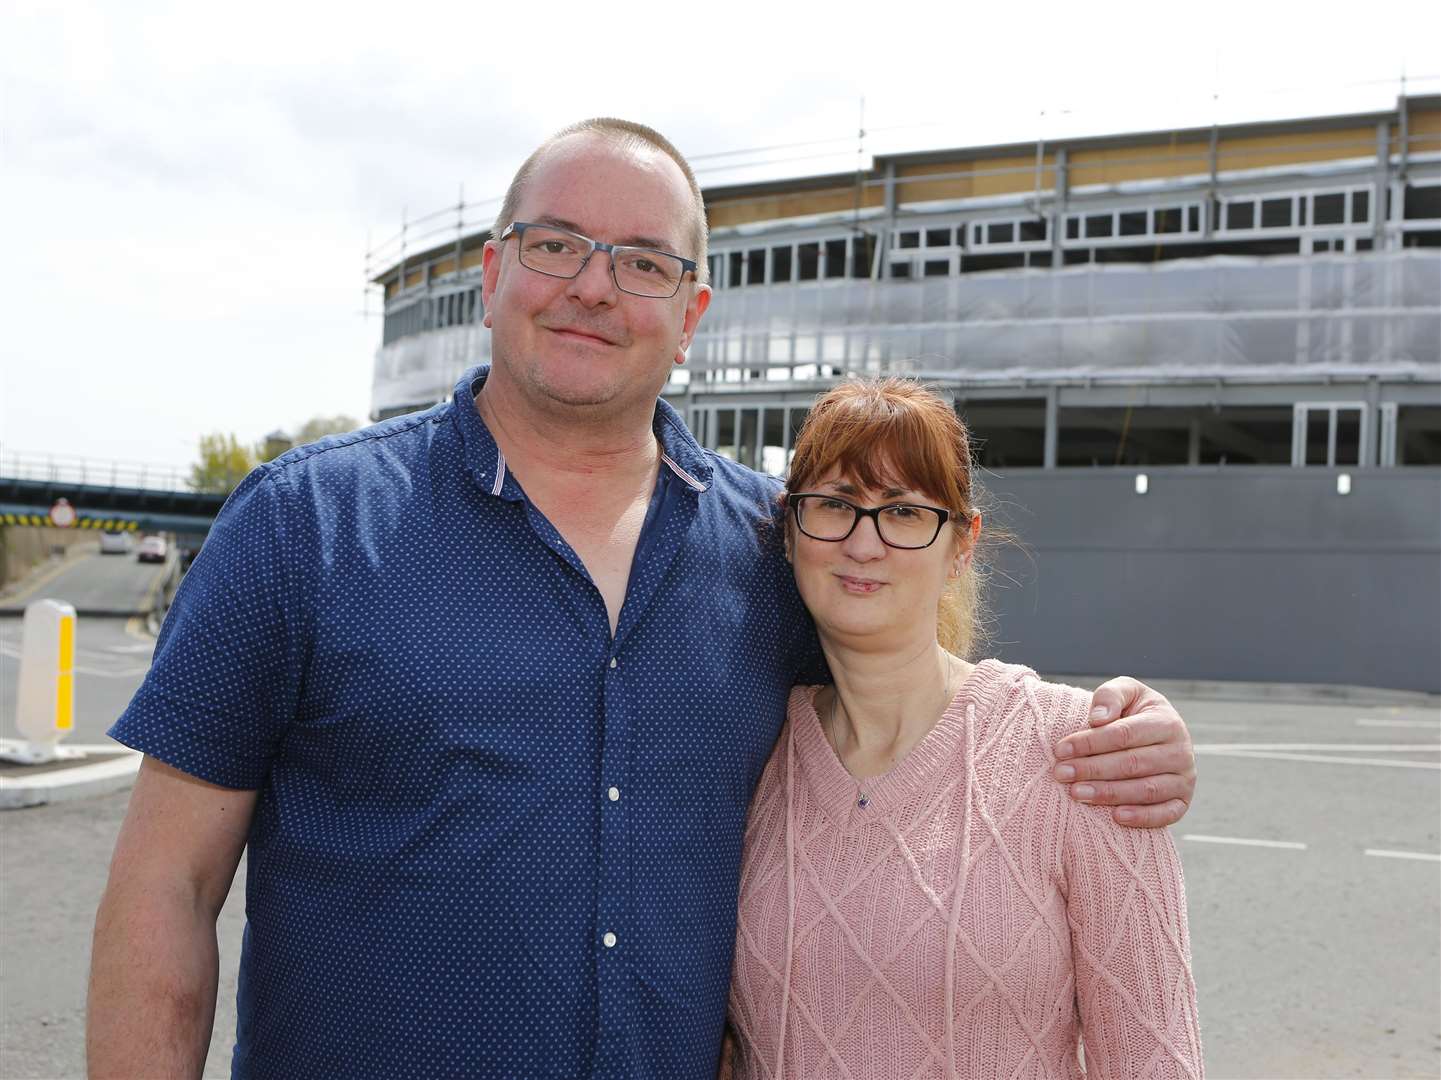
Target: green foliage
{"points": [[223, 463], [318, 427]]}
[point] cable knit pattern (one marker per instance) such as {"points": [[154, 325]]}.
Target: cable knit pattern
{"points": [[969, 921]]}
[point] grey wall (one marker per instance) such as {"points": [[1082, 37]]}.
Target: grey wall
{"points": [[1256, 573]]}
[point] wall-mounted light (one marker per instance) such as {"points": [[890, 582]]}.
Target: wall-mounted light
{"points": [[1143, 483], [1343, 483]]}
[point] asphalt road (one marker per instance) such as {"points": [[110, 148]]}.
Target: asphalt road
{"points": [[55, 860], [1316, 935], [1317, 952], [116, 583], [1317, 942]]}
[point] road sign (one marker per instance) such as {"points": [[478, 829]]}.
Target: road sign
{"points": [[63, 515]]}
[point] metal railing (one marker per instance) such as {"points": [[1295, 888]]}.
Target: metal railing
{"points": [[92, 472], [451, 224]]}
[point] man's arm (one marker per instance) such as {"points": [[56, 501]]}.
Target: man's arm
{"points": [[1137, 757], [154, 962]]}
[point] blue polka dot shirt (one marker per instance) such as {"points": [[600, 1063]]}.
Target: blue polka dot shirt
{"points": [[490, 840]]}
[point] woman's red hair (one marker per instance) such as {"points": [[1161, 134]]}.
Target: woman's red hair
{"points": [[886, 433], [896, 433]]}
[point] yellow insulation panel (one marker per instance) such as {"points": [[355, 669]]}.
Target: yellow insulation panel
{"points": [[1295, 148], [1117, 164], [791, 204], [976, 178]]}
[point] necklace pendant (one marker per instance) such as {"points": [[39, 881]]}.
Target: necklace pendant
{"points": [[862, 801]]}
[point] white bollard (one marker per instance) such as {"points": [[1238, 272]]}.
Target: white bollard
{"points": [[45, 699]]}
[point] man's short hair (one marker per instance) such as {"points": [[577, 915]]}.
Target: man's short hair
{"points": [[626, 133]]}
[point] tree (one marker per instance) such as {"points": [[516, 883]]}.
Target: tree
{"points": [[223, 464], [224, 461], [318, 427]]}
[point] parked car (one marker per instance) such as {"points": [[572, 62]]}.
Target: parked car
{"points": [[116, 543], [152, 549]]}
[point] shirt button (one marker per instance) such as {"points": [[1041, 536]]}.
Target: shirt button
{"points": [[614, 794], [612, 661], [609, 940]]}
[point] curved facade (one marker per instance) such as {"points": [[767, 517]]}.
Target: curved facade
{"points": [[1178, 303], [1300, 256]]}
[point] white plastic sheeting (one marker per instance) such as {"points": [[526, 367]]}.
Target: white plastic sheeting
{"points": [[1216, 316], [420, 370], [1222, 316]]}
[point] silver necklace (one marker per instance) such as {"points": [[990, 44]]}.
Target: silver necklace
{"points": [[863, 800]]}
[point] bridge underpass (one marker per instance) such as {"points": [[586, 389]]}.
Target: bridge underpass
{"points": [[105, 495], [119, 600], [50, 505]]}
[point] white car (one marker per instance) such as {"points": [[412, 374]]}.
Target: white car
{"points": [[115, 543], [152, 549]]}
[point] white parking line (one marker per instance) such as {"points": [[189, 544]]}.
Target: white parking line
{"points": [[111, 673], [1325, 759], [1291, 845], [1296, 845], [1382, 853], [1373, 748], [1432, 725]]}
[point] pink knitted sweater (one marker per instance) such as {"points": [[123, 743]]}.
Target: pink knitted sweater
{"points": [[969, 921]]}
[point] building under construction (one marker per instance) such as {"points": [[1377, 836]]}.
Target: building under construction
{"points": [[1202, 367]]}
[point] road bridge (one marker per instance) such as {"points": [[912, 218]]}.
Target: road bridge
{"points": [[105, 495]]}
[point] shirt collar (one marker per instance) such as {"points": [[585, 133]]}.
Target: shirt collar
{"points": [[680, 453]]}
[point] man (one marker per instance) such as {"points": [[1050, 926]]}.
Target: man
{"points": [[485, 691]]}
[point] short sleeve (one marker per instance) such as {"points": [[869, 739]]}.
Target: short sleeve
{"points": [[225, 678]]}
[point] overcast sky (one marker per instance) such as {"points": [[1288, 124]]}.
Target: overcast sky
{"points": [[187, 190]]}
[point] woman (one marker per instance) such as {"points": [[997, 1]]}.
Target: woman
{"points": [[917, 898]]}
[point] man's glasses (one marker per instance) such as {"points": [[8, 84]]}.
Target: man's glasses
{"points": [[899, 525], [563, 254]]}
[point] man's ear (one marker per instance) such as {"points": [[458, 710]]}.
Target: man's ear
{"points": [[694, 309], [490, 260]]}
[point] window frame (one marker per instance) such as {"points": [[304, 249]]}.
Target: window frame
{"points": [[1078, 219], [977, 234], [1386, 448], [1300, 414], [704, 423]]}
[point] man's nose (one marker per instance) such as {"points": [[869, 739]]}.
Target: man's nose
{"points": [[595, 284]]}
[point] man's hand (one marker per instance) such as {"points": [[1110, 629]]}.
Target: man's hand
{"points": [[1137, 757]]}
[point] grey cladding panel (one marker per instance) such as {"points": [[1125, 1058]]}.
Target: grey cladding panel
{"points": [[1256, 574]]}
